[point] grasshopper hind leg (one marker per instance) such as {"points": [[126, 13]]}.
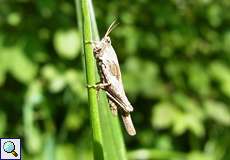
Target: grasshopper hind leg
{"points": [[126, 117]]}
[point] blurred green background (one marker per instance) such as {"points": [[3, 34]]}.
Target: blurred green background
{"points": [[175, 61]]}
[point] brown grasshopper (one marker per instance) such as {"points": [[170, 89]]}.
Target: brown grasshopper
{"points": [[110, 80]]}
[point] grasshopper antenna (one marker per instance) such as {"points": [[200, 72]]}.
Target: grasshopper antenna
{"points": [[111, 27]]}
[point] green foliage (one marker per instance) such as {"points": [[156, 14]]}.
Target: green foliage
{"points": [[174, 58], [65, 43]]}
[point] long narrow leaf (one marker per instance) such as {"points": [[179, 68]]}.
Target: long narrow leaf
{"points": [[107, 136], [91, 80]]}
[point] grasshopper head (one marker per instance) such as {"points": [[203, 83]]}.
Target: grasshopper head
{"points": [[97, 50], [100, 46], [106, 40]]}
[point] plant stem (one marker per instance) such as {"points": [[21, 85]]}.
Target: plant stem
{"points": [[107, 136], [91, 80]]}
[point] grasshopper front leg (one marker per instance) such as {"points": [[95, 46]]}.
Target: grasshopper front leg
{"points": [[99, 86]]}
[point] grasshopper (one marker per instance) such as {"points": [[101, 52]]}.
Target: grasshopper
{"points": [[110, 79]]}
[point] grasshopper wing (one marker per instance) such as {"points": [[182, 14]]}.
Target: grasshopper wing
{"points": [[115, 91], [112, 74]]}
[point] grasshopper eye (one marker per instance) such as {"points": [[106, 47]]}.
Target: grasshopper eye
{"points": [[107, 40]]}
